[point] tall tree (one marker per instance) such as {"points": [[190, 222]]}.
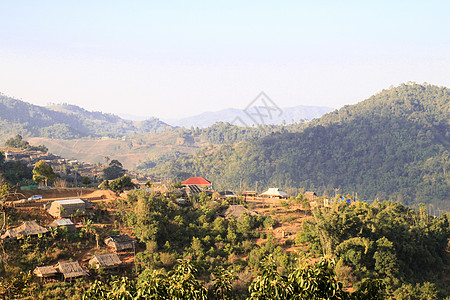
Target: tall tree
{"points": [[43, 171], [114, 170]]}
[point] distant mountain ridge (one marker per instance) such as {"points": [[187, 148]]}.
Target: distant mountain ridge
{"points": [[65, 121], [393, 145], [239, 117]]}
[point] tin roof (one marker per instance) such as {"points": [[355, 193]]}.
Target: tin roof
{"points": [[63, 222], [70, 201]]}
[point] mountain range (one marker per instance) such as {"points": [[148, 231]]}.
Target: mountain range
{"points": [[253, 116], [394, 145], [66, 121]]}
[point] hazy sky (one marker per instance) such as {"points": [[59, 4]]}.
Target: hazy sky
{"points": [[178, 58]]}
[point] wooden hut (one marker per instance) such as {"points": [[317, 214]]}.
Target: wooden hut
{"points": [[311, 196], [107, 261], [45, 272], [70, 270], [27, 228], [120, 242]]}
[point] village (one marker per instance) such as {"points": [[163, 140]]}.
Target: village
{"points": [[71, 210]]}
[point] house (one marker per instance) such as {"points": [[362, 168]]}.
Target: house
{"points": [[311, 196], [120, 242], [27, 228], [108, 261], [248, 194], [70, 207], [191, 190], [227, 194], [198, 181], [274, 193], [45, 272], [63, 223], [237, 211], [71, 269]]}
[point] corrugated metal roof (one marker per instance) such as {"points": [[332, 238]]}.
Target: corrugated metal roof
{"points": [[64, 222], [70, 201]]}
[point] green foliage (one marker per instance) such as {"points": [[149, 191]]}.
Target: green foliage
{"points": [[104, 185], [86, 180], [384, 240], [118, 185], [392, 146], [20, 143], [43, 171], [223, 279], [114, 170], [14, 172], [64, 121], [424, 291], [317, 281]]}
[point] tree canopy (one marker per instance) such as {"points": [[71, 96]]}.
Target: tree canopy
{"points": [[43, 171]]}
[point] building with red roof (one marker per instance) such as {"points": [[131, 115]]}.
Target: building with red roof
{"points": [[198, 181]]}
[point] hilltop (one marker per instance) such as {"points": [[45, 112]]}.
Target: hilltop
{"points": [[393, 145], [64, 121]]}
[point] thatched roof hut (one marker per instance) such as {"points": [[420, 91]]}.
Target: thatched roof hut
{"points": [[237, 211], [45, 271], [120, 242], [71, 269], [109, 260], [27, 228]]}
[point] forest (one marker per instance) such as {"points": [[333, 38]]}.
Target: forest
{"points": [[392, 146]]}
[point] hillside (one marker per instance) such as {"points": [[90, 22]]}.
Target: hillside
{"points": [[65, 121], [145, 151], [393, 145], [288, 115]]}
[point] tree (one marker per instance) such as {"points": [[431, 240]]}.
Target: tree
{"points": [[43, 171], [114, 170], [20, 143], [119, 184], [183, 284], [223, 280], [269, 284], [17, 142], [86, 180], [104, 185]]}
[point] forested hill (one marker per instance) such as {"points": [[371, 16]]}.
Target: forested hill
{"points": [[66, 121], [393, 145]]}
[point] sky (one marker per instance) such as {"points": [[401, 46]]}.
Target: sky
{"points": [[172, 59]]}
